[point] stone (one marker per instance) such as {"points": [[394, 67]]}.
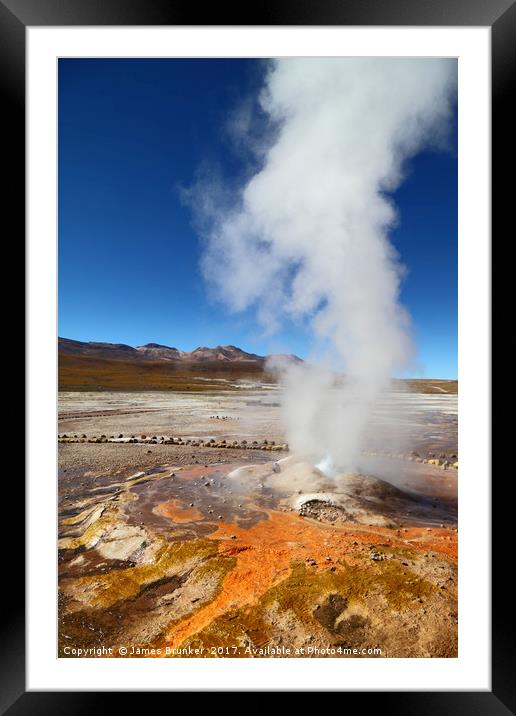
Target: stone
{"points": [[377, 556]]}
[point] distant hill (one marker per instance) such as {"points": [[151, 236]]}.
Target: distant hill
{"points": [[156, 351], [112, 351], [117, 366], [226, 354]]}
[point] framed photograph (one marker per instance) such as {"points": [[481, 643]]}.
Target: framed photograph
{"points": [[259, 349]]}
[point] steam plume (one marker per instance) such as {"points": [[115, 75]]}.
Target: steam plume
{"points": [[306, 238]]}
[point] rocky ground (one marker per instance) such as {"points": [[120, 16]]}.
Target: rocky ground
{"points": [[185, 529], [169, 550], [404, 422]]}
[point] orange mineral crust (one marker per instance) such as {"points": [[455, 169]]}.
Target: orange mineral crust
{"points": [[264, 555], [202, 560], [173, 511]]}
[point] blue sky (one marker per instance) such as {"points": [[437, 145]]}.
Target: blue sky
{"points": [[131, 133]]}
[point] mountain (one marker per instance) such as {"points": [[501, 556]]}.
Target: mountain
{"points": [[158, 352], [222, 353], [118, 366], [113, 351], [153, 366], [282, 358], [202, 354]]}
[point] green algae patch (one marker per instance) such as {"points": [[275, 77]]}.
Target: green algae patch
{"points": [[236, 628], [398, 552], [304, 591], [143, 614], [105, 590], [215, 567], [203, 585]]}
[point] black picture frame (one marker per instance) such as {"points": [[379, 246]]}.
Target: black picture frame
{"points": [[500, 15]]}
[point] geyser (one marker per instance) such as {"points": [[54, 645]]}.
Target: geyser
{"points": [[306, 238], [326, 466]]}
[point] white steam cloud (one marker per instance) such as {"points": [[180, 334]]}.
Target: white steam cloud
{"points": [[306, 238]]}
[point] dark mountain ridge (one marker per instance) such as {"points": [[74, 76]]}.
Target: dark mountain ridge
{"points": [[159, 352]]}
